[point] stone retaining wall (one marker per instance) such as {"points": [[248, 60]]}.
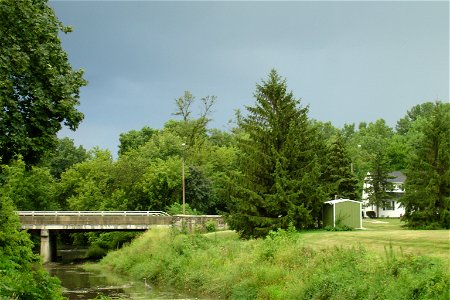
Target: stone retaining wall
{"points": [[199, 222]]}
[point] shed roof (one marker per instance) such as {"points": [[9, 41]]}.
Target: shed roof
{"points": [[332, 202]]}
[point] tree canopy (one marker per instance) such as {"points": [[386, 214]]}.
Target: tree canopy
{"points": [[39, 90], [133, 139], [423, 110]]}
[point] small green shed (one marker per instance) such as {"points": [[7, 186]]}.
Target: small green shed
{"points": [[343, 211]]}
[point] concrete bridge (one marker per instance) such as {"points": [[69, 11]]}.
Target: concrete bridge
{"points": [[49, 223]]}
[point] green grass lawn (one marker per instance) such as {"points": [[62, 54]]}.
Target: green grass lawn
{"points": [[379, 234]]}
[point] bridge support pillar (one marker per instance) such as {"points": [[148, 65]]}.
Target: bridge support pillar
{"points": [[48, 246]]}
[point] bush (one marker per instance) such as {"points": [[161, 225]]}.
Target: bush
{"points": [[111, 240], [338, 228], [371, 214]]}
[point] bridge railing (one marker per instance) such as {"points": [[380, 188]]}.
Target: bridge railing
{"points": [[92, 213]]}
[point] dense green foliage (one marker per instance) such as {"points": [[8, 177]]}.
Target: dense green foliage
{"points": [[133, 139], [427, 199], [277, 267], [423, 110], [149, 177], [368, 145], [278, 179], [101, 243], [338, 173], [65, 156], [38, 88], [30, 189], [21, 273]]}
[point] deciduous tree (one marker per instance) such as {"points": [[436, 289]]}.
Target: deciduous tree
{"points": [[133, 139], [87, 185], [367, 146], [65, 155], [30, 189], [423, 110], [192, 130], [199, 191], [377, 180], [21, 276], [39, 90]]}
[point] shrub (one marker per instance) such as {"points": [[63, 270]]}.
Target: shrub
{"points": [[210, 226], [95, 252], [339, 226], [177, 209]]}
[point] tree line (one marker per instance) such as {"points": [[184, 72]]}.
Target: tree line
{"points": [[275, 167]]}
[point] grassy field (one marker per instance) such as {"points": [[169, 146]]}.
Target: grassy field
{"points": [[380, 233], [361, 264]]}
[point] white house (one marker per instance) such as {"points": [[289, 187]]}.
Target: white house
{"points": [[392, 207]]}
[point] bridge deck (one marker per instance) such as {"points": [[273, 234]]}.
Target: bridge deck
{"points": [[94, 220]]}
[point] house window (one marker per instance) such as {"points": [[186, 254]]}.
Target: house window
{"points": [[389, 205]]}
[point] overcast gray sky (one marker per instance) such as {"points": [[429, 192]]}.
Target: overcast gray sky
{"points": [[349, 61]]}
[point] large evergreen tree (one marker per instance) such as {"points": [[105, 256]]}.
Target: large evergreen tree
{"points": [[427, 198], [338, 171], [278, 182]]}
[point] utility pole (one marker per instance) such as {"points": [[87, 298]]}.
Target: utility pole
{"points": [[182, 183]]}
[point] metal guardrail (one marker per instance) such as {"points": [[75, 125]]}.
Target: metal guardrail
{"points": [[92, 213]]}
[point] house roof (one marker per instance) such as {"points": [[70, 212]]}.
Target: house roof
{"points": [[332, 202], [398, 177]]}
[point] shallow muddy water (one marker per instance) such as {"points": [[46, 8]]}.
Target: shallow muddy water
{"points": [[81, 284]]}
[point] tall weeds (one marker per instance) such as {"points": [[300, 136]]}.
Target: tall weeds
{"points": [[278, 267]]}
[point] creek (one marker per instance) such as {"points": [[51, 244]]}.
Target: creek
{"points": [[79, 283]]}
